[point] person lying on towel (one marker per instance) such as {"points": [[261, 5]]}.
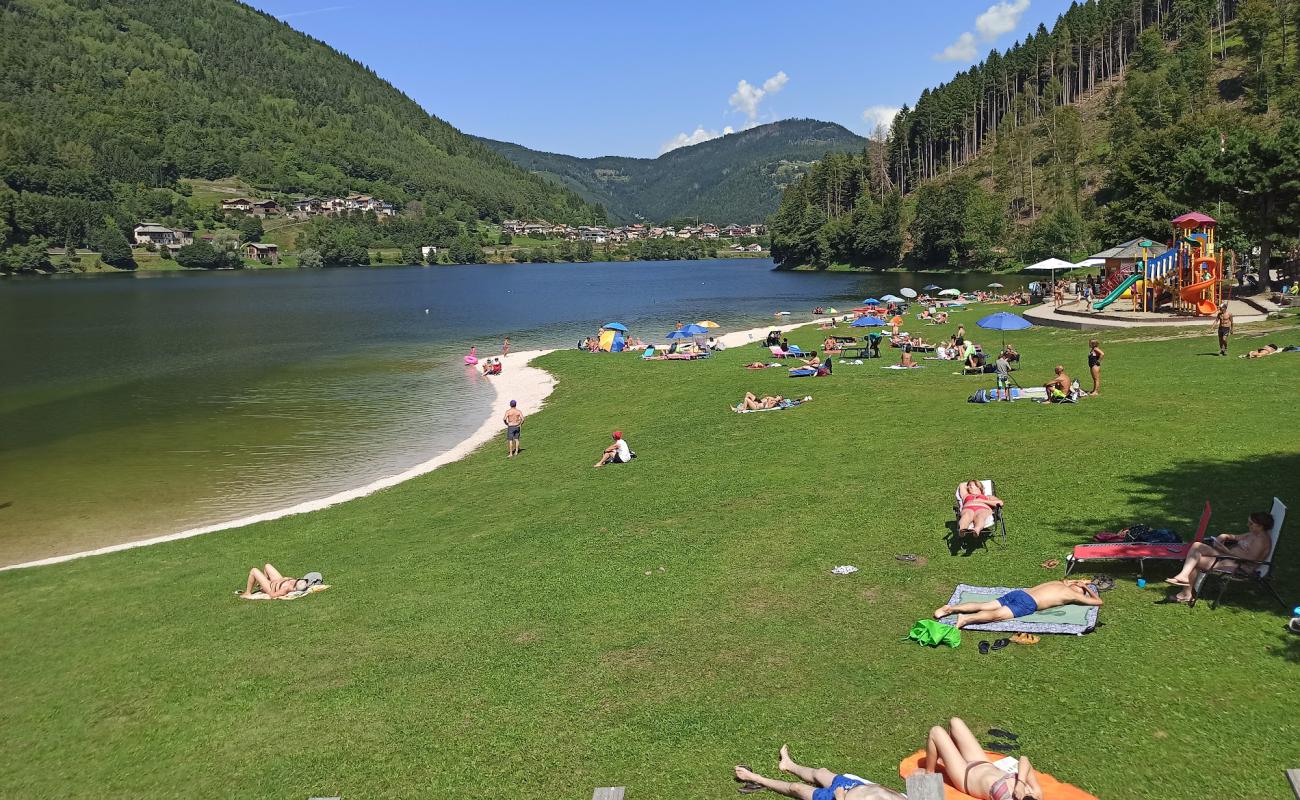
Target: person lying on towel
{"points": [[815, 783], [1058, 387], [275, 585], [968, 769], [1023, 602], [755, 403]]}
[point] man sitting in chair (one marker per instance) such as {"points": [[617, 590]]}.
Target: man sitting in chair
{"points": [[1059, 387], [1023, 602]]}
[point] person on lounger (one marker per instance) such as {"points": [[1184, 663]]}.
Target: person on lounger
{"points": [[1023, 602], [969, 770], [1059, 386], [976, 508], [270, 581], [752, 402], [1209, 554], [816, 783], [616, 453]]}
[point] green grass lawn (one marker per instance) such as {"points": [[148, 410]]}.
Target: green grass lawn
{"points": [[536, 628]]}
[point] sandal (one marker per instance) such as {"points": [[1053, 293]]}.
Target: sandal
{"points": [[1104, 583], [1002, 747], [908, 557], [1026, 638], [1051, 563], [1001, 643], [984, 648], [747, 787], [1001, 734]]}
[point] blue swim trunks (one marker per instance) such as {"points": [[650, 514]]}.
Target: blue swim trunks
{"points": [[844, 782], [1020, 603]]}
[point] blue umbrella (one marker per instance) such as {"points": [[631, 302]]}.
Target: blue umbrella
{"points": [[679, 334], [871, 301], [695, 330], [1002, 321], [615, 326], [867, 322]]}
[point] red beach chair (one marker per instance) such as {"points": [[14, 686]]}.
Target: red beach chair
{"points": [[1136, 551]]}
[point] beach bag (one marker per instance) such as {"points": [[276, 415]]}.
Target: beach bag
{"points": [[933, 633], [981, 396]]}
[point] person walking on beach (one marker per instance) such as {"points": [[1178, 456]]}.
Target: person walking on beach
{"points": [[1223, 322], [505, 347], [514, 421], [1095, 355]]}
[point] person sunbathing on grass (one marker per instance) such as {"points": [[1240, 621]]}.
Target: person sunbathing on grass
{"points": [[270, 581], [1209, 554], [815, 783], [969, 770], [1023, 602], [760, 365], [1266, 350], [754, 403], [1059, 386], [976, 508]]}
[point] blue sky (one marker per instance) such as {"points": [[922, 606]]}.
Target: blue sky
{"points": [[589, 78]]}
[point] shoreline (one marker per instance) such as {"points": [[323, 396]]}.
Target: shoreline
{"points": [[519, 380]]}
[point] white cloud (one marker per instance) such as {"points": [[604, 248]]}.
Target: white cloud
{"points": [[879, 116], [700, 134], [998, 19], [747, 96]]}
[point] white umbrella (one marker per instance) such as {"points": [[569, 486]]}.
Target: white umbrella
{"points": [[1050, 265], [892, 298], [995, 286], [908, 293], [950, 293]]}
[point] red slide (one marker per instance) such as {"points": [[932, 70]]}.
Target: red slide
{"points": [[1193, 294]]}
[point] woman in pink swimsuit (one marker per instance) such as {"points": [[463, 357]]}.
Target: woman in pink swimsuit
{"points": [[968, 769], [976, 508]]}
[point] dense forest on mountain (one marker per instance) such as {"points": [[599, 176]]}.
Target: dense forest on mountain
{"points": [[1123, 115], [105, 105], [734, 178]]}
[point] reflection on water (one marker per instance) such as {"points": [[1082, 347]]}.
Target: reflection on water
{"points": [[139, 405]]}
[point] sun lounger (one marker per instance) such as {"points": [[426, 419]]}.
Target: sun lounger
{"points": [[1140, 552], [1068, 619], [649, 353], [995, 521], [1259, 572], [1052, 788], [777, 352]]}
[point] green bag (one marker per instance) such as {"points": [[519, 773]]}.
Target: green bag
{"points": [[934, 633]]}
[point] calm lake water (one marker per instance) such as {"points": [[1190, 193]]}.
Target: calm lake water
{"points": [[137, 405]]}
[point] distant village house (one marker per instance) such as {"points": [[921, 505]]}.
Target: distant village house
{"points": [[161, 235], [265, 253]]}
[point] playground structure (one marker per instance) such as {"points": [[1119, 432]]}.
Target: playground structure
{"points": [[1189, 277]]}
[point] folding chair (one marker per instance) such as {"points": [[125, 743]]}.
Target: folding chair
{"points": [[995, 522], [1262, 574]]}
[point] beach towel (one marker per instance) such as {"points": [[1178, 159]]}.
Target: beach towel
{"points": [[762, 366], [1077, 620], [313, 589], [1052, 788], [900, 366], [784, 404]]}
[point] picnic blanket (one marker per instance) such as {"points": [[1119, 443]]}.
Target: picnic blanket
{"points": [[900, 366], [261, 595], [781, 406], [1052, 788], [1077, 620]]}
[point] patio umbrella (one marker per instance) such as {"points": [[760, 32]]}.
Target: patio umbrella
{"points": [[614, 326], [932, 287], [708, 324], [1002, 321], [695, 330], [950, 293], [871, 301], [908, 293], [892, 298], [995, 286], [868, 322], [679, 334]]}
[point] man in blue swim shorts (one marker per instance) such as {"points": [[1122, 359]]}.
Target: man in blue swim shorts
{"points": [[1023, 602], [814, 783]]}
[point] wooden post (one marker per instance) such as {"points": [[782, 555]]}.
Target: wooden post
{"points": [[608, 793], [923, 785]]}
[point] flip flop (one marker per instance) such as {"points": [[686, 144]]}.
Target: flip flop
{"points": [[1026, 638], [984, 648], [1001, 643], [905, 557], [1104, 583], [1002, 747], [1051, 563], [1001, 734], [747, 787]]}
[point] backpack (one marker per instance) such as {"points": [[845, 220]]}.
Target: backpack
{"points": [[933, 633], [981, 396]]}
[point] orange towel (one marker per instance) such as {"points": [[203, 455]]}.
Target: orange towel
{"points": [[1052, 788]]}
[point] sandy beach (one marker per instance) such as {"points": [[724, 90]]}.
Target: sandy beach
{"points": [[519, 381]]}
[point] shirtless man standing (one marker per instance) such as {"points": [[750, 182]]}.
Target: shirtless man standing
{"points": [[1058, 387], [1023, 602], [1223, 322], [513, 420]]}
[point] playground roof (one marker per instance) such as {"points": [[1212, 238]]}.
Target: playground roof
{"points": [[1131, 249], [1194, 218]]}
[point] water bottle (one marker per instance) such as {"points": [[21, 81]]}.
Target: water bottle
{"points": [[1142, 583], [1296, 611]]}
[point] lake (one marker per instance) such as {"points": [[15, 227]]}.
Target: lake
{"points": [[135, 405]]}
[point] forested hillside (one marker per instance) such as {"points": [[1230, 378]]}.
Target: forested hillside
{"points": [[734, 178], [1123, 115], [106, 104]]}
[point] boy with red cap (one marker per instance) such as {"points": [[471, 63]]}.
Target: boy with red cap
{"points": [[616, 453]]}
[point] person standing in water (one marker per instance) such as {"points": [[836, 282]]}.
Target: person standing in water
{"points": [[1223, 321], [1095, 355], [505, 347], [514, 421]]}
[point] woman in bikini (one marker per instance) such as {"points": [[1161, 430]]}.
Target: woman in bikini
{"points": [[1210, 554], [976, 508], [270, 580], [968, 769], [755, 403]]}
